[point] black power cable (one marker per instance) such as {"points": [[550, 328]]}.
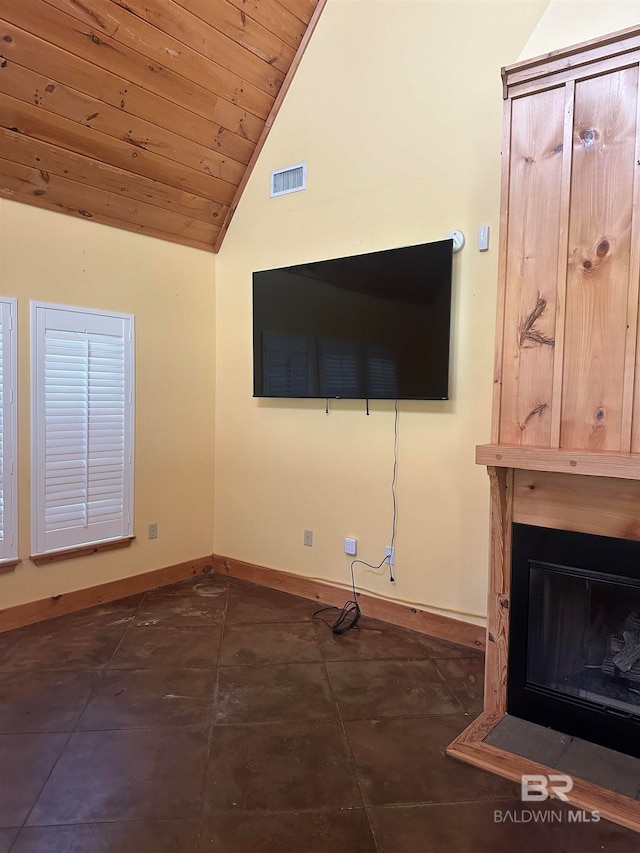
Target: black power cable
{"points": [[349, 614], [393, 493]]}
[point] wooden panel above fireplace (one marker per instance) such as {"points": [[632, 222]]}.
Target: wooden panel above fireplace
{"points": [[567, 344], [608, 507]]}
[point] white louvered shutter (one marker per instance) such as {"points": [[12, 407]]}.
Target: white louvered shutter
{"points": [[84, 427], [8, 490]]}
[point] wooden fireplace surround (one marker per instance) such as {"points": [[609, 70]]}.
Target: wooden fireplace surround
{"points": [[565, 443]]}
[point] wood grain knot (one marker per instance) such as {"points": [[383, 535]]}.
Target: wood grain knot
{"points": [[603, 248], [588, 138], [95, 39], [538, 410], [529, 335], [587, 264], [600, 415], [498, 456], [504, 603], [573, 463], [531, 486], [7, 38], [50, 88], [38, 192]]}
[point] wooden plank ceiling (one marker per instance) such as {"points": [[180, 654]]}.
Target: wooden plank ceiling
{"points": [[143, 114]]}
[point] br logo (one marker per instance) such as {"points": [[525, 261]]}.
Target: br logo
{"points": [[537, 788]]}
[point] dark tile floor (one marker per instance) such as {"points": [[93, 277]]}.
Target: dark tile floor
{"points": [[215, 715]]}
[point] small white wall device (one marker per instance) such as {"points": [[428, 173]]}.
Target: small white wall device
{"points": [[458, 240]]}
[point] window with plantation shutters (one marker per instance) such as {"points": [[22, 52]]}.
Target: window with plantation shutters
{"points": [[8, 474], [82, 427]]}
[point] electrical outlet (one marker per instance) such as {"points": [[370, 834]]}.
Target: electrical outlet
{"points": [[153, 530], [390, 555], [350, 546], [308, 538]]}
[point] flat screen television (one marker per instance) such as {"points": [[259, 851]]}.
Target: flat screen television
{"points": [[372, 326]]}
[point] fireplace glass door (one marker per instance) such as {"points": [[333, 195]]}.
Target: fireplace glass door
{"points": [[574, 642], [584, 636]]}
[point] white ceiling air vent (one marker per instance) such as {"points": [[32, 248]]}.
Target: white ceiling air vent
{"points": [[291, 179]]}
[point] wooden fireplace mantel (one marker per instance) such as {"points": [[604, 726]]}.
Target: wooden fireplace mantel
{"points": [[566, 389], [625, 466]]}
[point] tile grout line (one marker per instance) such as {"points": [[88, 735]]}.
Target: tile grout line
{"points": [[211, 725], [126, 631], [354, 766], [75, 728], [255, 723], [446, 684]]}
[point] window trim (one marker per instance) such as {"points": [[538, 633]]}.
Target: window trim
{"points": [[9, 555], [81, 550], [94, 546]]}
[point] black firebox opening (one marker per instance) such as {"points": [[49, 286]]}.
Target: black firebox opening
{"points": [[574, 649]]}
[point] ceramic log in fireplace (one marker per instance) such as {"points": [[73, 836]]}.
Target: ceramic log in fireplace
{"points": [[574, 651]]}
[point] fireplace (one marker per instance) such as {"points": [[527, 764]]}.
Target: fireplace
{"points": [[574, 651], [565, 433]]}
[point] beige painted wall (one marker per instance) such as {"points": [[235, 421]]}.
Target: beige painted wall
{"points": [[397, 109], [567, 22], [170, 290]]}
